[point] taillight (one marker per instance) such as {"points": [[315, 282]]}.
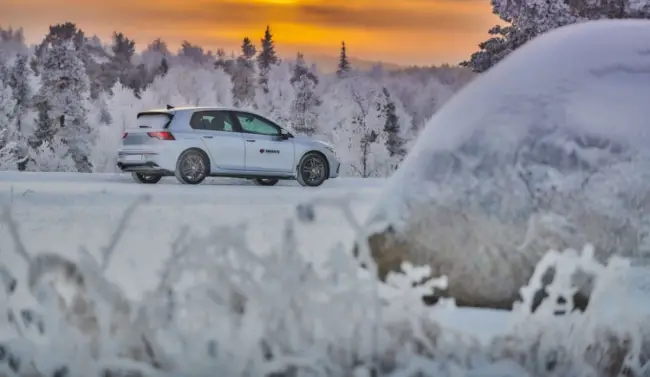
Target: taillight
{"points": [[161, 135], [124, 135]]}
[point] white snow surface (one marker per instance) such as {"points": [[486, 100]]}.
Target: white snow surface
{"points": [[59, 212]]}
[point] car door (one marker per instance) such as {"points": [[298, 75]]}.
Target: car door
{"points": [[266, 150], [222, 138]]}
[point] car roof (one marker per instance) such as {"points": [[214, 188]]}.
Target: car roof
{"points": [[201, 108]]}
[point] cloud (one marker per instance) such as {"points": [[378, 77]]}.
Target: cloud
{"points": [[358, 15]]}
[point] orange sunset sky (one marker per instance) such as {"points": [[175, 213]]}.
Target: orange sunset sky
{"points": [[405, 32]]}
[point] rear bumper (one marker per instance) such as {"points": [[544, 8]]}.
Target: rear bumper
{"points": [[144, 161], [142, 167]]}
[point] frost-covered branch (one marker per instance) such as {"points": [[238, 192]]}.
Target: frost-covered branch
{"points": [[108, 251]]}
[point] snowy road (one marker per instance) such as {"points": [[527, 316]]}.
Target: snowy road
{"points": [[60, 212]]}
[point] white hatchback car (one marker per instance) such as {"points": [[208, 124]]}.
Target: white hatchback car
{"points": [[193, 143]]}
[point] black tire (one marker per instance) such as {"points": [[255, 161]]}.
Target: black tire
{"points": [[266, 181], [312, 170], [192, 167], [147, 179]]}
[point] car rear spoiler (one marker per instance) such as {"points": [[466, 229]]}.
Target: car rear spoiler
{"points": [[155, 112], [170, 115]]}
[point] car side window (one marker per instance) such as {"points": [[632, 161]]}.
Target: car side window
{"points": [[212, 121], [253, 124]]}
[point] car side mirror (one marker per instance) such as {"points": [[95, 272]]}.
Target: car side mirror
{"points": [[285, 135]]}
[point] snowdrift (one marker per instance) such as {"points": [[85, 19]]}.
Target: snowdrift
{"points": [[549, 149]]}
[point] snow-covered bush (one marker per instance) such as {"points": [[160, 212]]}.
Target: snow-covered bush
{"points": [[122, 107], [253, 313], [51, 157]]}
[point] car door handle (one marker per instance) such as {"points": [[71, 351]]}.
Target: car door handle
{"points": [[250, 140], [207, 137]]}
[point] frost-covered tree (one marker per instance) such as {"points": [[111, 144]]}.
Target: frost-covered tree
{"points": [[123, 67], [7, 107], [528, 18], [123, 106], [19, 81], [296, 95], [243, 77], [62, 103], [225, 62], [57, 35], [154, 54], [266, 58], [277, 100], [394, 141], [188, 85], [193, 54], [344, 64], [162, 69], [10, 137], [12, 42], [304, 114], [354, 106]]}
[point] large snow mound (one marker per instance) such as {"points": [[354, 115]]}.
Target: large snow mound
{"points": [[548, 149]]}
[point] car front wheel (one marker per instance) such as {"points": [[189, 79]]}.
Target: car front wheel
{"points": [[312, 170], [146, 178]]}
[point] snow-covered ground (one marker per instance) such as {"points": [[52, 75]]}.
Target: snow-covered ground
{"points": [[60, 212]]}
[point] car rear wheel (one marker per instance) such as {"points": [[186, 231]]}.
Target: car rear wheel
{"points": [[192, 167], [266, 181], [312, 170], [146, 178]]}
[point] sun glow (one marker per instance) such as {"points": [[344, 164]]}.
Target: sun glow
{"points": [[280, 2]]}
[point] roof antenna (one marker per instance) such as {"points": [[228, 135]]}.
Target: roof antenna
{"points": [[169, 107]]}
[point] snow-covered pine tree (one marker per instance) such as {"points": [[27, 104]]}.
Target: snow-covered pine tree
{"points": [[243, 77], [344, 64], [304, 115], [153, 56], [12, 42], [58, 34], [19, 81], [121, 63], [225, 62], [7, 121], [162, 69], [62, 103], [195, 55], [394, 141], [94, 55], [266, 58]]}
